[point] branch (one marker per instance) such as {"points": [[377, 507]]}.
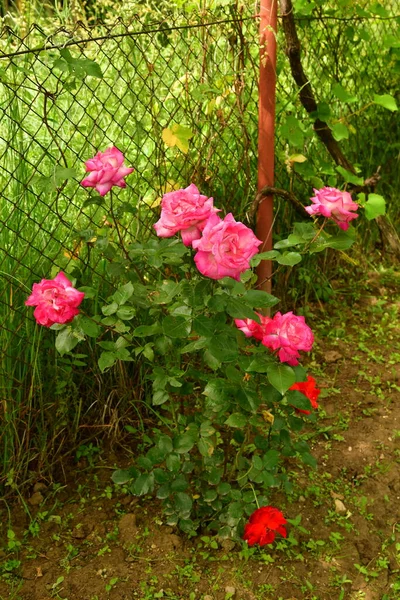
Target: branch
{"points": [[306, 93], [269, 191]]}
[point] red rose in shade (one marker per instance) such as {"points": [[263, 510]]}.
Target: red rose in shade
{"points": [[309, 389], [263, 524]]}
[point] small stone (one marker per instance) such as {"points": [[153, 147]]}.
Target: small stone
{"points": [[332, 356], [349, 448], [39, 487], [80, 533], [302, 499], [340, 507], [36, 499], [230, 590], [130, 559], [227, 545]]}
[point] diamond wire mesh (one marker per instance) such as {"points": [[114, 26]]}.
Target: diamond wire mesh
{"points": [[200, 75], [153, 76]]}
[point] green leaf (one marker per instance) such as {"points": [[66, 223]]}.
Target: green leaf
{"points": [[160, 397], [123, 293], [237, 420], [298, 400], [106, 360], [126, 313], [270, 255], [223, 347], [292, 131], [342, 94], [147, 330], [340, 132], [289, 259], [206, 429], [165, 443], [260, 299], [89, 327], [184, 443], [177, 135], [350, 177], [205, 446], [122, 476], [375, 206], [176, 327], [238, 309], [66, 340], [173, 462], [142, 485], [386, 101], [109, 309], [270, 459], [281, 377], [183, 503]]}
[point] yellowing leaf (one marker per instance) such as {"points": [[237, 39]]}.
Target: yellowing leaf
{"points": [[297, 158], [177, 135]]}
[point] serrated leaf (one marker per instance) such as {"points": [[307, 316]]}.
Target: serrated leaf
{"points": [[260, 299], [89, 327], [176, 327], [281, 377], [147, 330], [184, 442], [123, 293], [106, 360], [237, 420], [66, 341], [177, 135], [142, 485], [239, 309], [298, 400]]}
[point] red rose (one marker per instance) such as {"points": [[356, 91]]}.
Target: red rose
{"points": [[263, 524], [309, 389]]}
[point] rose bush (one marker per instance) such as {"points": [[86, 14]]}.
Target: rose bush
{"points": [[184, 211], [224, 408], [334, 204], [106, 170], [56, 301]]}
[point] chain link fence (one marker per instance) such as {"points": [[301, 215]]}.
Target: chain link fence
{"points": [[64, 97]]}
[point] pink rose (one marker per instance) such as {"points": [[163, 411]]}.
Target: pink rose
{"points": [[289, 334], [186, 211], [225, 248], [56, 301], [251, 328], [334, 204], [106, 170]]}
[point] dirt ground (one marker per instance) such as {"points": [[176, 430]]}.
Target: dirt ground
{"points": [[88, 540]]}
